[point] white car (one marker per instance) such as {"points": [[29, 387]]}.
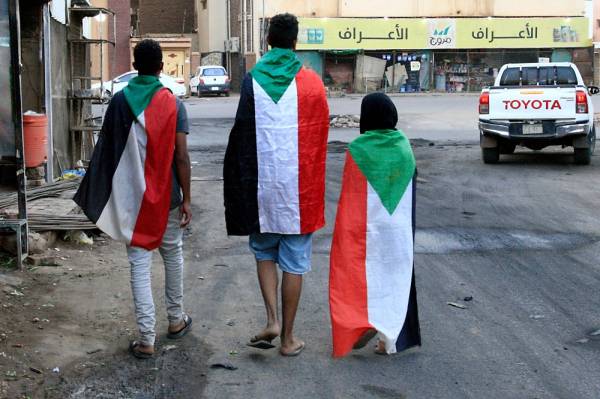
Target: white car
{"points": [[210, 79], [114, 86], [535, 106]]}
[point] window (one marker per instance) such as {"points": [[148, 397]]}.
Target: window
{"points": [[511, 77], [565, 76], [529, 76], [542, 76], [213, 72]]}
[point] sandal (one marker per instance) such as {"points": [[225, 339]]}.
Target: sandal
{"points": [[187, 325], [295, 352], [264, 343], [134, 348]]}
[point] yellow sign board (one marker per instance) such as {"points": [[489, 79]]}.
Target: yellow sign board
{"points": [[441, 33]]}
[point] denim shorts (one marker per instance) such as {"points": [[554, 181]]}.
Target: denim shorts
{"points": [[292, 252]]}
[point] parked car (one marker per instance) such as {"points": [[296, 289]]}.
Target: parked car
{"points": [[114, 86], [210, 79], [537, 105]]}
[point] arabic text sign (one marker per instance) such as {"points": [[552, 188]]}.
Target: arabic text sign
{"points": [[433, 33]]}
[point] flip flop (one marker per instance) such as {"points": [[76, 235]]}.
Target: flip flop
{"points": [[260, 343], [365, 338], [134, 348], [187, 326], [294, 353]]}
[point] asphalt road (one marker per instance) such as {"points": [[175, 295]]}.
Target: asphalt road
{"points": [[521, 238]]}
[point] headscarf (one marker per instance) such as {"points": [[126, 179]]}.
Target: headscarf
{"points": [[377, 112]]}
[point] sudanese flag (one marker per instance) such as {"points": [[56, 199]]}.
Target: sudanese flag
{"points": [[371, 272], [274, 168], [126, 191]]}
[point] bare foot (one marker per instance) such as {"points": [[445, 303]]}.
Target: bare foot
{"points": [[292, 347], [173, 328], [268, 334], [380, 348]]}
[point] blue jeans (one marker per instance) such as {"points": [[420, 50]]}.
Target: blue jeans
{"points": [[140, 260], [292, 252]]}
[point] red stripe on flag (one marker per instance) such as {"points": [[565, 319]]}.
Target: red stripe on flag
{"points": [[161, 121], [347, 273], [313, 128]]}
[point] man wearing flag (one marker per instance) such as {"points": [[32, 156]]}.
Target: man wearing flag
{"points": [[274, 175], [371, 287], [133, 189]]}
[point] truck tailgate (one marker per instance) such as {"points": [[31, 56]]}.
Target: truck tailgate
{"points": [[532, 103]]}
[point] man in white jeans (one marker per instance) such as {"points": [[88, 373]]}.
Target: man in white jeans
{"points": [[148, 61]]}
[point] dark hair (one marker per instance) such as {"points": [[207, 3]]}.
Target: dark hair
{"points": [[148, 56], [283, 31]]}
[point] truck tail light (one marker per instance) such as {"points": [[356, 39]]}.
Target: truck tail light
{"points": [[484, 103], [227, 80], [581, 101], [201, 81]]}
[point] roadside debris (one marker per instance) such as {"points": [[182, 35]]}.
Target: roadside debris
{"points": [[346, 121], [168, 348], [56, 370], [79, 237], [595, 333], [223, 365], [457, 305], [93, 351], [468, 298], [37, 371], [582, 341]]}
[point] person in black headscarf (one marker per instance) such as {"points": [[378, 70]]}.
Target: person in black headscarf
{"points": [[371, 287], [377, 112]]}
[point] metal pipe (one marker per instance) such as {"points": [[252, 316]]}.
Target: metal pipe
{"points": [[48, 92], [17, 117]]}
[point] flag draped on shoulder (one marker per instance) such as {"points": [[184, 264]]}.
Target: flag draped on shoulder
{"points": [[274, 171], [371, 272], [127, 189]]}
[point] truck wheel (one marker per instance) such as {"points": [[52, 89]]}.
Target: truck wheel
{"points": [[490, 155], [583, 156], [507, 148]]}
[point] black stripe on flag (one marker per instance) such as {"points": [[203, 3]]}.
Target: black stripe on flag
{"points": [[240, 170], [411, 332], [96, 187]]}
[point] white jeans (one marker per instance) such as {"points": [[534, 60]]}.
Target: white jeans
{"points": [[140, 260]]}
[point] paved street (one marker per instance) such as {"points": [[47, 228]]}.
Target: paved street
{"points": [[521, 238]]}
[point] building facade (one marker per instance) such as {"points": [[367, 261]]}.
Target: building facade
{"points": [[420, 45]]}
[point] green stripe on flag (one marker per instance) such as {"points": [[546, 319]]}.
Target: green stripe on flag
{"points": [[387, 161], [140, 91], [275, 72]]}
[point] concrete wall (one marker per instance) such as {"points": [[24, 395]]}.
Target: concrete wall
{"points": [[212, 25], [120, 61], [596, 21], [60, 65], [306, 8], [172, 16], [423, 8], [32, 81], [463, 8]]}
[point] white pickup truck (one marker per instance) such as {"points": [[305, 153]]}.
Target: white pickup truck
{"points": [[535, 106]]}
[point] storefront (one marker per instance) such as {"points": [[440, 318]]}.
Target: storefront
{"points": [[441, 54]]}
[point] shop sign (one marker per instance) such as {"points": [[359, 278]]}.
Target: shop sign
{"points": [[441, 33]]}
